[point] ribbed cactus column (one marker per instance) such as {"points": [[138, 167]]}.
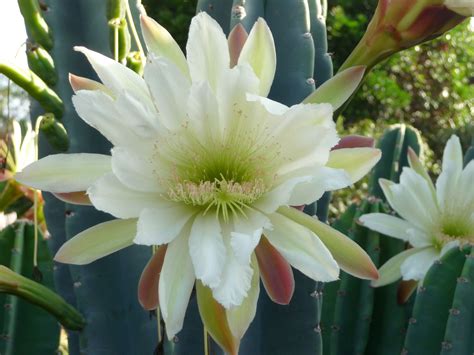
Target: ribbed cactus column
{"points": [[105, 290]]}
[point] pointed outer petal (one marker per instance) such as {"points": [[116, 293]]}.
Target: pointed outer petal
{"points": [[413, 200], [126, 121], [97, 242], [214, 317], [236, 41], [339, 88], [387, 224], [168, 87], [65, 172], [390, 271], [348, 254], [452, 168], [405, 290], [355, 141], [357, 162], [246, 234], [273, 107], [240, 317], [464, 195], [276, 273], [115, 76], [160, 42], [259, 52], [452, 155], [162, 223], [207, 249], [81, 83], [134, 171], [75, 198], [207, 50], [149, 280], [108, 194], [323, 179], [176, 284], [302, 249], [416, 165], [416, 266], [280, 195]]}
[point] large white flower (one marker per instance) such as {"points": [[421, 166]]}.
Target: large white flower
{"points": [[433, 219], [203, 165]]}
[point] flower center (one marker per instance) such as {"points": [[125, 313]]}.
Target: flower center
{"points": [[225, 197], [456, 226], [224, 174]]}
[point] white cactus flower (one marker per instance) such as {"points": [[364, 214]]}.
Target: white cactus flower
{"points": [[205, 164], [432, 219]]}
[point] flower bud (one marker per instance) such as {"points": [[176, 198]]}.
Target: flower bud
{"points": [[401, 24]]}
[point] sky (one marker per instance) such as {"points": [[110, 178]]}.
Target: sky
{"points": [[12, 33]]}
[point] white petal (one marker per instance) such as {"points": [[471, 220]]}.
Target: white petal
{"points": [[98, 241], [316, 132], [246, 234], [240, 317], [273, 107], [108, 194], [280, 195], [207, 249], [232, 98], [162, 223], [113, 74], [121, 121], [65, 172], [134, 171], [357, 162], [323, 179], [416, 266], [235, 279], [259, 52], [207, 50], [160, 42], [452, 155], [302, 249], [176, 284], [386, 224], [390, 271], [413, 200], [169, 88], [203, 112]]}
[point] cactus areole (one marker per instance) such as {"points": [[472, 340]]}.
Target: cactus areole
{"points": [[204, 163]]}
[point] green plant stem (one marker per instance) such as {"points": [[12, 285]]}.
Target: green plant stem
{"points": [[15, 284], [35, 86]]}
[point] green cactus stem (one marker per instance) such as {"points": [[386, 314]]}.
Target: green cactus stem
{"points": [[433, 307], [38, 28], [35, 86], [54, 132], [41, 63]]}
